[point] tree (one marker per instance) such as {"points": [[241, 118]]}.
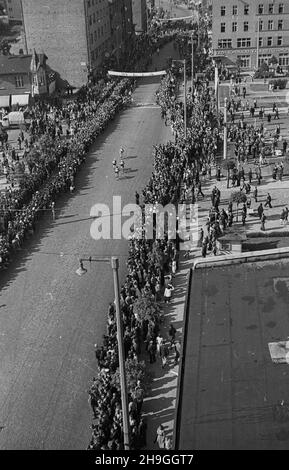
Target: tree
{"points": [[134, 371], [264, 68], [4, 47], [238, 197], [273, 60], [228, 165], [146, 308]]}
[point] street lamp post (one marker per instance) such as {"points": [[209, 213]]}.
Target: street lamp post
{"points": [[185, 95], [185, 99], [192, 64], [121, 356], [225, 129]]}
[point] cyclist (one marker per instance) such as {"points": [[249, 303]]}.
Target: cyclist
{"points": [[121, 152], [122, 165], [116, 171]]}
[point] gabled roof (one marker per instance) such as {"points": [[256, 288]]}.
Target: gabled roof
{"points": [[15, 64], [18, 63]]}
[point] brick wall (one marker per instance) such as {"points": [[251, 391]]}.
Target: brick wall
{"points": [[58, 29]]}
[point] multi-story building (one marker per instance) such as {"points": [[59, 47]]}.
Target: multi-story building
{"points": [[121, 28], [139, 15], [14, 10], [74, 34], [250, 32], [22, 77]]}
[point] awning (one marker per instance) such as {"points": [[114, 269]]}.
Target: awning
{"points": [[4, 101], [21, 100]]}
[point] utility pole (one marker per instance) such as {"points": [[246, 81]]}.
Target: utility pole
{"points": [[217, 86], [225, 128], [124, 397], [192, 64], [121, 356], [258, 40], [185, 99]]}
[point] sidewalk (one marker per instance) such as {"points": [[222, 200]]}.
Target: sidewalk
{"points": [[159, 406]]}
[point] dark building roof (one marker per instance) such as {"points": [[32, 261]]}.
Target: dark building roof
{"points": [[18, 63]]}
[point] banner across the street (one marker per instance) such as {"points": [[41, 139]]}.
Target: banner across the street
{"points": [[136, 74], [176, 19]]}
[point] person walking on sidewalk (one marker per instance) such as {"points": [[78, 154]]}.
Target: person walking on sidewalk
{"points": [[177, 352], [172, 335], [160, 437], [152, 351], [200, 190], [168, 293], [263, 220], [268, 201], [164, 353], [260, 210]]}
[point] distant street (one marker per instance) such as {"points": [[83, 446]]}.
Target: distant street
{"points": [[50, 318]]}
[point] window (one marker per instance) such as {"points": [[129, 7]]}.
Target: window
{"points": [[270, 25], [94, 17], [281, 8], [264, 58], [234, 27], [223, 27], [225, 44], [279, 41], [246, 9], [245, 61], [260, 42], [261, 9], [223, 11], [269, 41], [91, 38], [280, 25], [19, 81], [90, 20], [246, 26], [235, 10], [284, 59], [92, 55], [88, 3], [243, 42], [261, 25], [271, 8]]}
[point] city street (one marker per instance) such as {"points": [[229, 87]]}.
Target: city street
{"points": [[50, 318]]}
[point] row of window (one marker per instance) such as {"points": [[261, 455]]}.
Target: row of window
{"points": [[93, 19], [98, 50], [272, 8], [93, 2], [280, 26], [98, 33], [263, 58], [247, 42]]}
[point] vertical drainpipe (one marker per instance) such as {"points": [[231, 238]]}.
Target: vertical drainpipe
{"points": [[24, 30], [86, 19]]}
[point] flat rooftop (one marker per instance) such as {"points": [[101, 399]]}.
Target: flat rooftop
{"points": [[231, 390]]}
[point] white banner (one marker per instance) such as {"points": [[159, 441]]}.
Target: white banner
{"points": [[136, 74], [176, 19]]}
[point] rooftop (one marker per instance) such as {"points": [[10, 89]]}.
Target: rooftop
{"points": [[19, 63], [232, 389]]}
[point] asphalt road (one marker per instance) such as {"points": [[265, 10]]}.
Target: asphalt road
{"points": [[49, 317]]}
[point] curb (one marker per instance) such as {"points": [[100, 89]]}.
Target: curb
{"points": [[264, 255], [177, 419]]}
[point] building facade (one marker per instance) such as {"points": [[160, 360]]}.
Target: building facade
{"points": [[22, 77], [139, 15], [75, 35], [14, 10], [121, 29], [251, 31]]}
